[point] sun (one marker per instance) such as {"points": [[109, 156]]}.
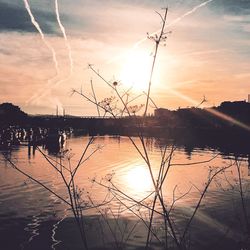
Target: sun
{"points": [[136, 69]]}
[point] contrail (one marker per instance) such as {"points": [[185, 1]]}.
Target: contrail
{"points": [[46, 91], [48, 86], [64, 35], [191, 11], [178, 19], [37, 26]]}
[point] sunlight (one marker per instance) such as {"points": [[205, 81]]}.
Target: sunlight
{"points": [[213, 111], [136, 70], [138, 179]]}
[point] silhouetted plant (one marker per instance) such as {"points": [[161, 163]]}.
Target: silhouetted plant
{"points": [[77, 201], [155, 203]]}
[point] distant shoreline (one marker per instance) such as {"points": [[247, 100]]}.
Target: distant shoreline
{"points": [[229, 119]]}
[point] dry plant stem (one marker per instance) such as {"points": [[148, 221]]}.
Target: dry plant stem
{"points": [[94, 95], [73, 201], [166, 231], [108, 224], [155, 198], [200, 200], [126, 102], [169, 223], [126, 93], [51, 160], [165, 214], [74, 206], [116, 221], [145, 156], [131, 231], [88, 157], [137, 148], [36, 181], [146, 159], [195, 163], [157, 187], [162, 167], [177, 199], [140, 217], [71, 188], [77, 211], [122, 195], [157, 43], [150, 99], [138, 202], [150, 222], [164, 159], [143, 153], [179, 244], [244, 208], [80, 161], [95, 103], [148, 164], [163, 206], [168, 159], [112, 87], [77, 219], [161, 181]]}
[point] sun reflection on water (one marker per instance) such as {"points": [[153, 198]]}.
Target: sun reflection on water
{"points": [[138, 180]]}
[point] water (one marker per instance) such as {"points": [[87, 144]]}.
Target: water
{"points": [[33, 218]]}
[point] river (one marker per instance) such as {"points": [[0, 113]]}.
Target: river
{"points": [[33, 218]]}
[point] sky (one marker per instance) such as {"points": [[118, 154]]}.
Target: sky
{"points": [[206, 54]]}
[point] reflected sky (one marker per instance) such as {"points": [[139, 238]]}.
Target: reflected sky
{"points": [[116, 174], [116, 161]]}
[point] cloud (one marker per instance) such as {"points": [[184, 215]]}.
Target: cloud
{"points": [[237, 18], [246, 28], [16, 18], [232, 6], [242, 21], [206, 51]]}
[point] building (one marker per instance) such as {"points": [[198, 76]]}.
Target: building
{"points": [[161, 112]]}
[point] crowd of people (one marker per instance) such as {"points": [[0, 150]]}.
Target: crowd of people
{"points": [[32, 136]]}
